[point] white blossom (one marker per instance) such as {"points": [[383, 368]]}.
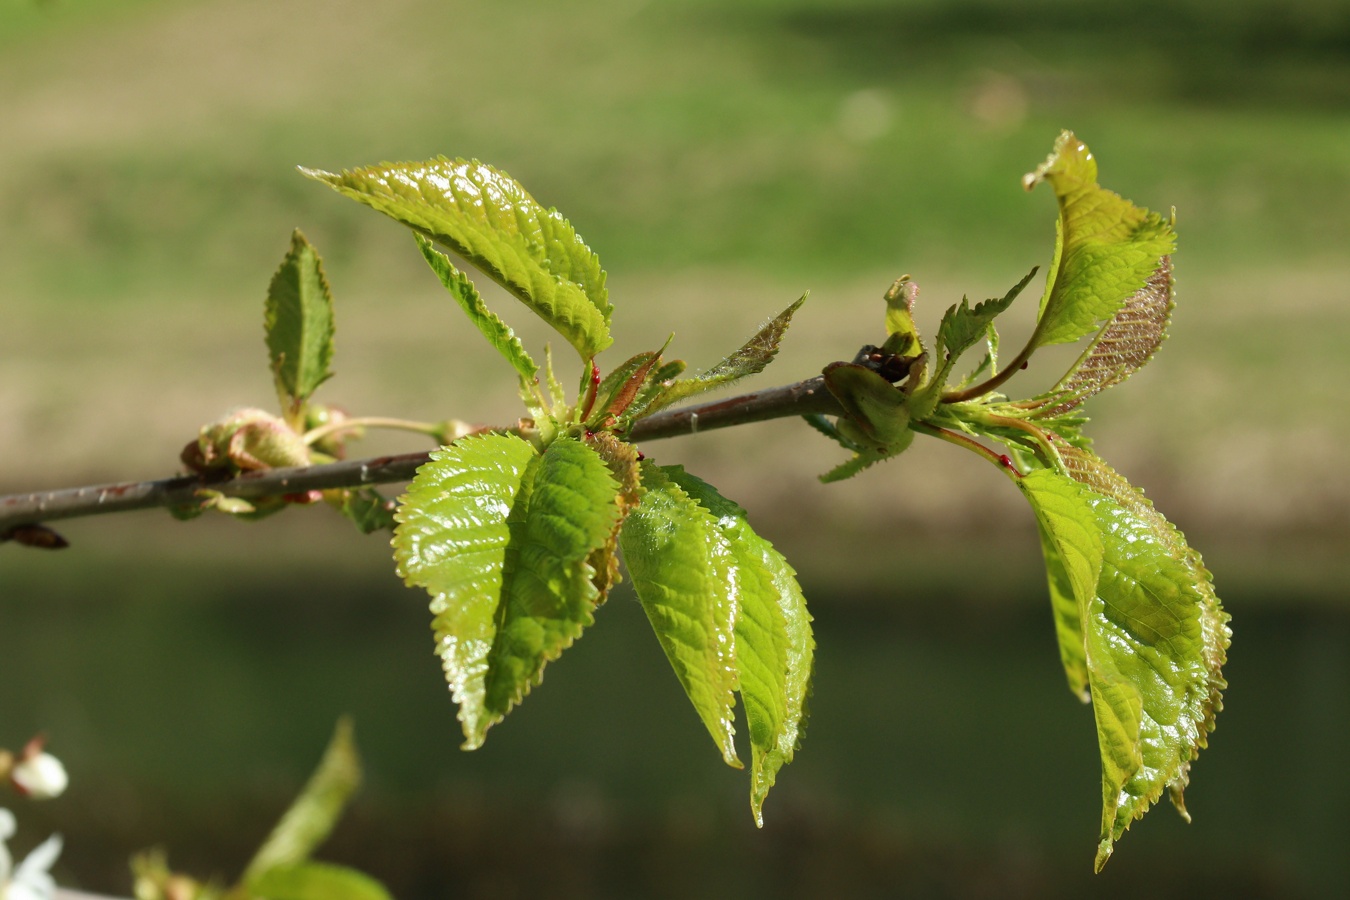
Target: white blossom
{"points": [[32, 880]]}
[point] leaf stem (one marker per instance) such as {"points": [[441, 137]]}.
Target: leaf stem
{"points": [[432, 429], [969, 443], [994, 381], [1036, 433]]}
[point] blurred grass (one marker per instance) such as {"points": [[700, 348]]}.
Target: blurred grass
{"points": [[721, 157]]}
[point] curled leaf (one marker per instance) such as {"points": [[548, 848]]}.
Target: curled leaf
{"points": [[622, 460], [1106, 249]]}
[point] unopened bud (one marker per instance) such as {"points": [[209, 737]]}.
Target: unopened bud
{"points": [[40, 776]]}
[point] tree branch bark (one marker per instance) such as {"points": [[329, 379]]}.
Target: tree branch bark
{"points": [[17, 510]]}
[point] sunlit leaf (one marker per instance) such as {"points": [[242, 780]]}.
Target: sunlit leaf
{"points": [[299, 321], [488, 218], [501, 537], [681, 564], [1106, 251], [902, 335], [312, 816], [452, 540], [1068, 619], [963, 325], [1154, 635], [498, 333], [750, 359], [774, 645], [1124, 345]]}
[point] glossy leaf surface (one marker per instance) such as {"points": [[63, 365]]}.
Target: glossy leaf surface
{"points": [[681, 564], [298, 318], [774, 645], [1154, 636], [1106, 251], [498, 333], [489, 219], [501, 537], [1068, 618]]}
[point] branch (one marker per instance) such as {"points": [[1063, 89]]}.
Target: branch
{"points": [[17, 510]]}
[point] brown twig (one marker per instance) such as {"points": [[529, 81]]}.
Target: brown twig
{"points": [[802, 398]]}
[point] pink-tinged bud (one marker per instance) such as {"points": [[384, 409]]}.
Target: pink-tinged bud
{"points": [[40, 776]]}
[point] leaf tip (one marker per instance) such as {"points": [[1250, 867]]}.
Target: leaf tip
{"points": [[328, 178], [1069, 151], [1103, 854]]}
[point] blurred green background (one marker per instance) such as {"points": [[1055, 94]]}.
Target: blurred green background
{"points": [[722, 157]]}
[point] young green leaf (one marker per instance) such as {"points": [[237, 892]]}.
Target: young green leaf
{"points": [[861, 459], [1068, 618], [751, 359], [822, 424], [876, 420], [451, 539], [682, 566], [316, 881], [650, 392], [366, 508], [1106, 249], [299, 322], [625, 385], [622, 460], [498, 333], [312, 816], [774, 645], [902, 335], [872, 403], [501, 537], [962, 326], [556, 393], [988, 363], [488, 218], [1122, 347], [1154, 635]]}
